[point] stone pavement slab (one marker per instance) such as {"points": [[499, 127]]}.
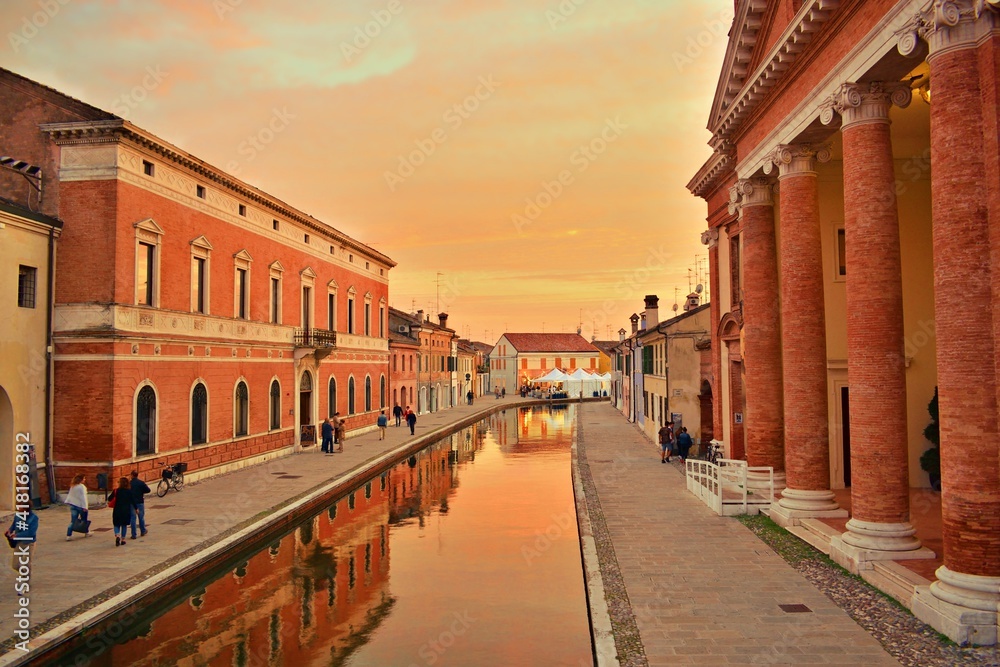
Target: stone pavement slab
{"points": [[703, 589], [67, 574]]}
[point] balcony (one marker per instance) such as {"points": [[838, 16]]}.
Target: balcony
{"points": [[315, 338]]}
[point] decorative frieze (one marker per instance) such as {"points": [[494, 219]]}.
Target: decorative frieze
{"points": [[865, 102]]}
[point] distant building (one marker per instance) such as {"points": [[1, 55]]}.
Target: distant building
{"points": [[435, 375], [518, 358]]}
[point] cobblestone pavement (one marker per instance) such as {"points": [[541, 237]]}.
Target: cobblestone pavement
{"points": [[703, 589]]}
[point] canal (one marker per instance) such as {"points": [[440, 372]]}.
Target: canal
{"points": [[467, 553]]}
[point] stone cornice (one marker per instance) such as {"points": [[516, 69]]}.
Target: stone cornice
{"points": [[116, 131], [708, 176], [949, 25], [750, 192], [796, 159], [808, 21], [865, 102]]}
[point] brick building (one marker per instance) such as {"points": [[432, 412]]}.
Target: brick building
{"points": [[196, 318], [844, 296], [435, 356], [518, 358]]}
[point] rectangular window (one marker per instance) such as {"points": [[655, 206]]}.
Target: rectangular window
{"points": [[198, 285], [200, 191], [572, 362], [306, 296], [243, 210], [305, 238], [542, 362], [350, 316], [734, 268], [241, 293], [841, 252], [368, 319], [381, 322], [524, 364], [147, 168], [26, 281], [331, 308], [274, 225], [275, 299], [144, 274], [647, 360]]}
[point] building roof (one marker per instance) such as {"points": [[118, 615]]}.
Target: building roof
{"points": [[485, 348], [605, 346], [8, 206], [549, 342]]}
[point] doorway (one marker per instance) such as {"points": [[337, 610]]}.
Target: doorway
{"points": [[846, 426], [305, 399]]}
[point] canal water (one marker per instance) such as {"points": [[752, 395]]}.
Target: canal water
{"points": [[465, 554]]}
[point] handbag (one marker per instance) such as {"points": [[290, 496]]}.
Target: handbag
{"points": [[81, 525], [111, 499], [10, 539]]}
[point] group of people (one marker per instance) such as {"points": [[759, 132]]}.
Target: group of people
{"points": [[670, 444], [407, 415], [333, 433]]}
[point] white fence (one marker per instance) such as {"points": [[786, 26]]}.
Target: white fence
{"points": [[723, 486]]}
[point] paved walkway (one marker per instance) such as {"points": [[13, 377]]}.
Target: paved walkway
{"points": [[704, 590], [67, 574]]}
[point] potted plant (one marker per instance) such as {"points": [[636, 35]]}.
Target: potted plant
{"points": [[930, 461]]}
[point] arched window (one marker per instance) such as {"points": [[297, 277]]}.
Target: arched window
{"points": [[199, 415], [145, 421], [241, 410], [381, 392], [275, 405], [350, 396], [368, 393], [333, 397]]}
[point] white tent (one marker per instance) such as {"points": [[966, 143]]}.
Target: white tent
{"points": [[582, 381], [555, 375]]}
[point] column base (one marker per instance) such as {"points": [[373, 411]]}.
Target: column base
{"points": [[796, 505], [867, 541], [962, 606], [759, 482]]}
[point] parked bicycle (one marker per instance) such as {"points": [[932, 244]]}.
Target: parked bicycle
{"points": [[172, 477], [713, 453]]}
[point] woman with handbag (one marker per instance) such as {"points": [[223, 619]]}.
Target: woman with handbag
{"points": [[78, 508], [121, 502]]}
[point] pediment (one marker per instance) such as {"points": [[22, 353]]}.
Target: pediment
{"points": [[736, 65], [276, 266], [202, 242], [149, 225], [307, 272], [244, 255], [333, 285]]}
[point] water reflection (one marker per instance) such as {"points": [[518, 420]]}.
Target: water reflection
{"points": [[486, 572]]}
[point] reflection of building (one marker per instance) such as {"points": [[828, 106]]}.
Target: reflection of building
{"points": [[843, 298], [307, 599], [196, 317], [518, 358], [28, 242], [416, 490]]}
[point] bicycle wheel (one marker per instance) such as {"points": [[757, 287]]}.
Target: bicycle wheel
{"points": [[178, 480], [162, 488]]}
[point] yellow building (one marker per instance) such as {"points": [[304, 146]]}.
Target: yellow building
{"points": [[27, 244]]}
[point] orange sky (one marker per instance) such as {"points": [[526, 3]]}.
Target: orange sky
{"points": [[534, 153]]}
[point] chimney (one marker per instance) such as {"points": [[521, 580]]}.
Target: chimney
{"points": [[642, 321], [420, 315], [443, 319], [692, 302], [652, 311], [635, 322], [621, 335]]}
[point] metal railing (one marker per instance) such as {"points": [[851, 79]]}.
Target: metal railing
{"points": [[315, 338]]}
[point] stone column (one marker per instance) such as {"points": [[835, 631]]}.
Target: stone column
{"points": [[761, 327], [803, 339], [880, 525], [963, 603]]}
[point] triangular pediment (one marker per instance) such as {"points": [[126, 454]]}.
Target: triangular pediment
{"points": [[739, 53], [333, 285], [202, 242], [244, 255], [276, 266], [307, 272], [351, 290], [149, 225]]}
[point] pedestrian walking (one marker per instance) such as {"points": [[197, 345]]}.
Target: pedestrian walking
{"points": [[684, 443], [411, 420], [327, 432], [121, 516], [503, 392], [339, 431], [496, 392], [665, 434], [139, 490], [78, 507], [21, 537], [397, 412], [382, 422], [469, 396]]}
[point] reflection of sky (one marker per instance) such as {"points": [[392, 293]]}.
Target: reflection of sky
{"points": [[229, 64]]}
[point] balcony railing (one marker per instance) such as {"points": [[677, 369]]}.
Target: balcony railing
{"points": [[315, 338]]}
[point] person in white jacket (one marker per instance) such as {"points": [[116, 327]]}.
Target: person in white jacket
{"points": [[78, 507]]}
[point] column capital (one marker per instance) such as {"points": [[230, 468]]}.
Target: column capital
{"points": [[949, 25], [865, 102], [796, 159], [710, 237], [754, 191]]}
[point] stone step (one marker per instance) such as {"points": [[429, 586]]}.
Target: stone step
{"points": [[810, 537], [895, 580], [766, 511]]}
